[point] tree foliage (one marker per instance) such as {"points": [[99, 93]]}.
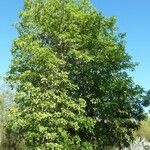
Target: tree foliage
{"points": [[146, 101], [6, 101], [69, 70]]}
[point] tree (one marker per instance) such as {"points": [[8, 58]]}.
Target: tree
{"points": [[146, 101], [6, 101], [1, 114], [69, 70]]}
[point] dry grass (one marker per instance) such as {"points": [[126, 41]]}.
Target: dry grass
{"points": [[144, 130]]}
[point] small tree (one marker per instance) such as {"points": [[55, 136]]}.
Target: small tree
{"points": [[69, 69], [6, 101]]}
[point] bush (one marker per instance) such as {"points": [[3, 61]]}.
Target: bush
{"points": [[144, 130]]}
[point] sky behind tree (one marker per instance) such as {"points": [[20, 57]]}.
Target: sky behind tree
{"points": [[132, 17]]}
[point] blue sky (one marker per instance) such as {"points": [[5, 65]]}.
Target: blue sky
{"points": [[8, 16], [133, 17]]}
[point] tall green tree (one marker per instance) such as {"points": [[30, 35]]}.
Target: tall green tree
{"points": [[69, 70]]}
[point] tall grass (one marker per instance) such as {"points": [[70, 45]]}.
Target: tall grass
{"points": [[144, 130]]}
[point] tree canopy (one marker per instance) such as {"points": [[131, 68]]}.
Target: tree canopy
{"points": [[70, 72]]}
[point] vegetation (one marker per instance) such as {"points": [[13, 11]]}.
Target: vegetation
{"points": [[144, 130], [70, 75], [6, 101]]}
